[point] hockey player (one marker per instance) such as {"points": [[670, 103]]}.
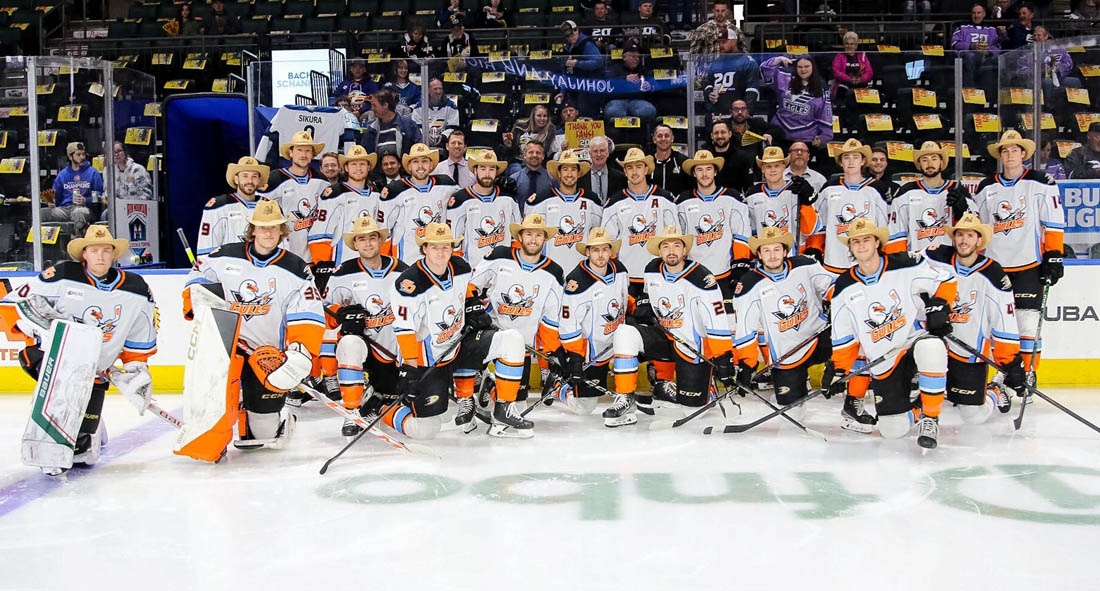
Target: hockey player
{"points": [[482, 213], [1025, 210], [593, 308], [687, 303], [923, 209], [982, 317], [338, 207], [568, 207], [86, 290], [358, 300], [877, 306], [779, 305], [782, 203], [282, 321], [433, 317], [225, 218], [841, 202], [407, 206], [296, 189], [524, 290]]}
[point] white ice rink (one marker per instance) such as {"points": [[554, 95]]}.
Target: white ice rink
{"points": [[578, 507]]}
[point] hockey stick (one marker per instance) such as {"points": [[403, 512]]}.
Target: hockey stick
{"points": [[1027, 386], [153, 406], [547, 392], [392, 405], [1019, 420], [359, 420], [186, 245]]}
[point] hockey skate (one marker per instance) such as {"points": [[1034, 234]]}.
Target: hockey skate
{"points": [[763, 381], [484, 397], [89, 446], [854, 417], [997, 392], [928, 431], [465, 416], [507, 421], [621, 412], [331, 388]]}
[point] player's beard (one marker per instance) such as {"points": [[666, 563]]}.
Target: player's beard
{"points": [[930, 171], [531, 250], [486, 182]]}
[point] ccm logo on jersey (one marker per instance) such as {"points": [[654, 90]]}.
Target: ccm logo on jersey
{"points": [[884, 321], [251, 301]]}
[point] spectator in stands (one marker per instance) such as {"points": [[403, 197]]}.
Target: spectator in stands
{"points": [[851, 70], [916, 6], [455, 165], [532, 177], [448, 15], [76, 187], [442, 114], [568, 113], [1001, 10], [408, 92], [388, 130], [388, 171], [748, 136], [186, 23], [732, 174], [1084, 161], [729, 76], [457, 43], [538, 127], [132, 181], [585, 60], [644, 24], [1057, 65], [1086, 18], [979, 45], [1021, 32], [414, 43], [357, 84], [632, 74], [351, 110], [493, 15], [707, 37], [880, 163], [800, 166], [221, 22], [804, 111], [602, 180], [668, 171], [600, 26], [330, 167], [1047, 164]]}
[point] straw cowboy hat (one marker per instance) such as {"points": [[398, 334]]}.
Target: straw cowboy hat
{"points": [[773, 154], [486, 158], [863, 227], [970, 221], [436, 232], [929, 149], [363, 226], [637, 155], [596, 237], [533, 221], [301, 138], [1012, 138], [703, 157], [771, 235], [568, 157], [653, 245], [854, 145], [357, 153], [97, 234], [267, 213], [246, 163], [420, 151]]}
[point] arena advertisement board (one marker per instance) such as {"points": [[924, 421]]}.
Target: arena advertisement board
{"points": [[290, 70], [136, 221], [1081, 202]]}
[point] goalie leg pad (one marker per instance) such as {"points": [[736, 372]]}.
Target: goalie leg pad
{"points": [[263, 425], [211, 385]]}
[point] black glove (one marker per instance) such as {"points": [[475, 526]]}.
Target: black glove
{"points": [[507, 184], [643, 312], [745, 372], [937, 317], [1051, 269], [957, 197], [738, 268], [322, 272], [351, 319], [407, 378], [573, 367], [803, 190], [815, 254], [1014, 373], [477, 318], [723, 369], [831, 381]]}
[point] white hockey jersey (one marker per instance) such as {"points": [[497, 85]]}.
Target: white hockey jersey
{"points": [[634, 219], [355, 283], [297, 197], [780, 209], [337, 209], [689, 305], [1026, 215], [919, 217], [224, 220], [573, 215], [720, 223], [430, 311], [838, 204], [120, 305], [274, 295], [524, 296], [325, 124], [779, 311], [592, 309], [483, 221], [407, 209]]}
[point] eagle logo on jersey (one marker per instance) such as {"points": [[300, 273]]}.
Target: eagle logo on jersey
{"points": [[304, 213], [885, 321], [94, 316], [1007, 219], [424, 217], [708, 229], [515, 302], [772, 218], [378, 313], [848, 214], [570, 230], [490, 232], [642, 229], [250, 300], [670, 316], [452, 321], [791, 312], [960, 310], [614, 316], [931, 224]]}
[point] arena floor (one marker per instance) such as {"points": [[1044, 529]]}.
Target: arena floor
{"points": [[577, 507]]}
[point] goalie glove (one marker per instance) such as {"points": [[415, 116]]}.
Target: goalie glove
{"points": [[36, 315], [134, 383], [281, 371]]}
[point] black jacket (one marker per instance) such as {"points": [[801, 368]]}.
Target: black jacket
{"points": [[616, 181], [670, 175]]}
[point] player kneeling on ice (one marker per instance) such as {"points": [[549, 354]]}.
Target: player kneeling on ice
{"points": [[76, 318], [680, 304], [779, 305], [893, 306], [258, 322], [441, 333], [982, 316]]}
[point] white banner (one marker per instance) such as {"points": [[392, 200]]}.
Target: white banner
{"points": [[290, 70], [136, 220]]}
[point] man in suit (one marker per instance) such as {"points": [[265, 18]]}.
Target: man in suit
{"points": [[602, 180]]}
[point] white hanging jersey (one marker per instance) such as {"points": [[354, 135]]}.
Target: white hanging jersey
{"points": [[919, 216], [593, 308], [634, 219], [325, 124], [573, 215], [355, 283], [407, 209], [780, 209], [838, 205], [337, 209], [224, 220], [297, 197], [689, 305], [483, 221], [779, 311], [275, 295], [983, 313], [120, 305], [524, 296], [720, 223], [429, 311], [875, 315], [1026, 215]]}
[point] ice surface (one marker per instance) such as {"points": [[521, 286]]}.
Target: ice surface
{"points": [[579, 506]]}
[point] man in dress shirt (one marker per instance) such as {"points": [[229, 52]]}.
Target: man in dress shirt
{"points": [[455, 166], [602, 180]]}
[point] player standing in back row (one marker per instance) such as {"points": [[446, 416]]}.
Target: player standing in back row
{"points": [[410, 204], [922, 210], [296, 189], [568, 207], [482, 212], [225, 218]]}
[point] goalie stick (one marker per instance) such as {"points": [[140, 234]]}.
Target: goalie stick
{"points": [[152, 406]]}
